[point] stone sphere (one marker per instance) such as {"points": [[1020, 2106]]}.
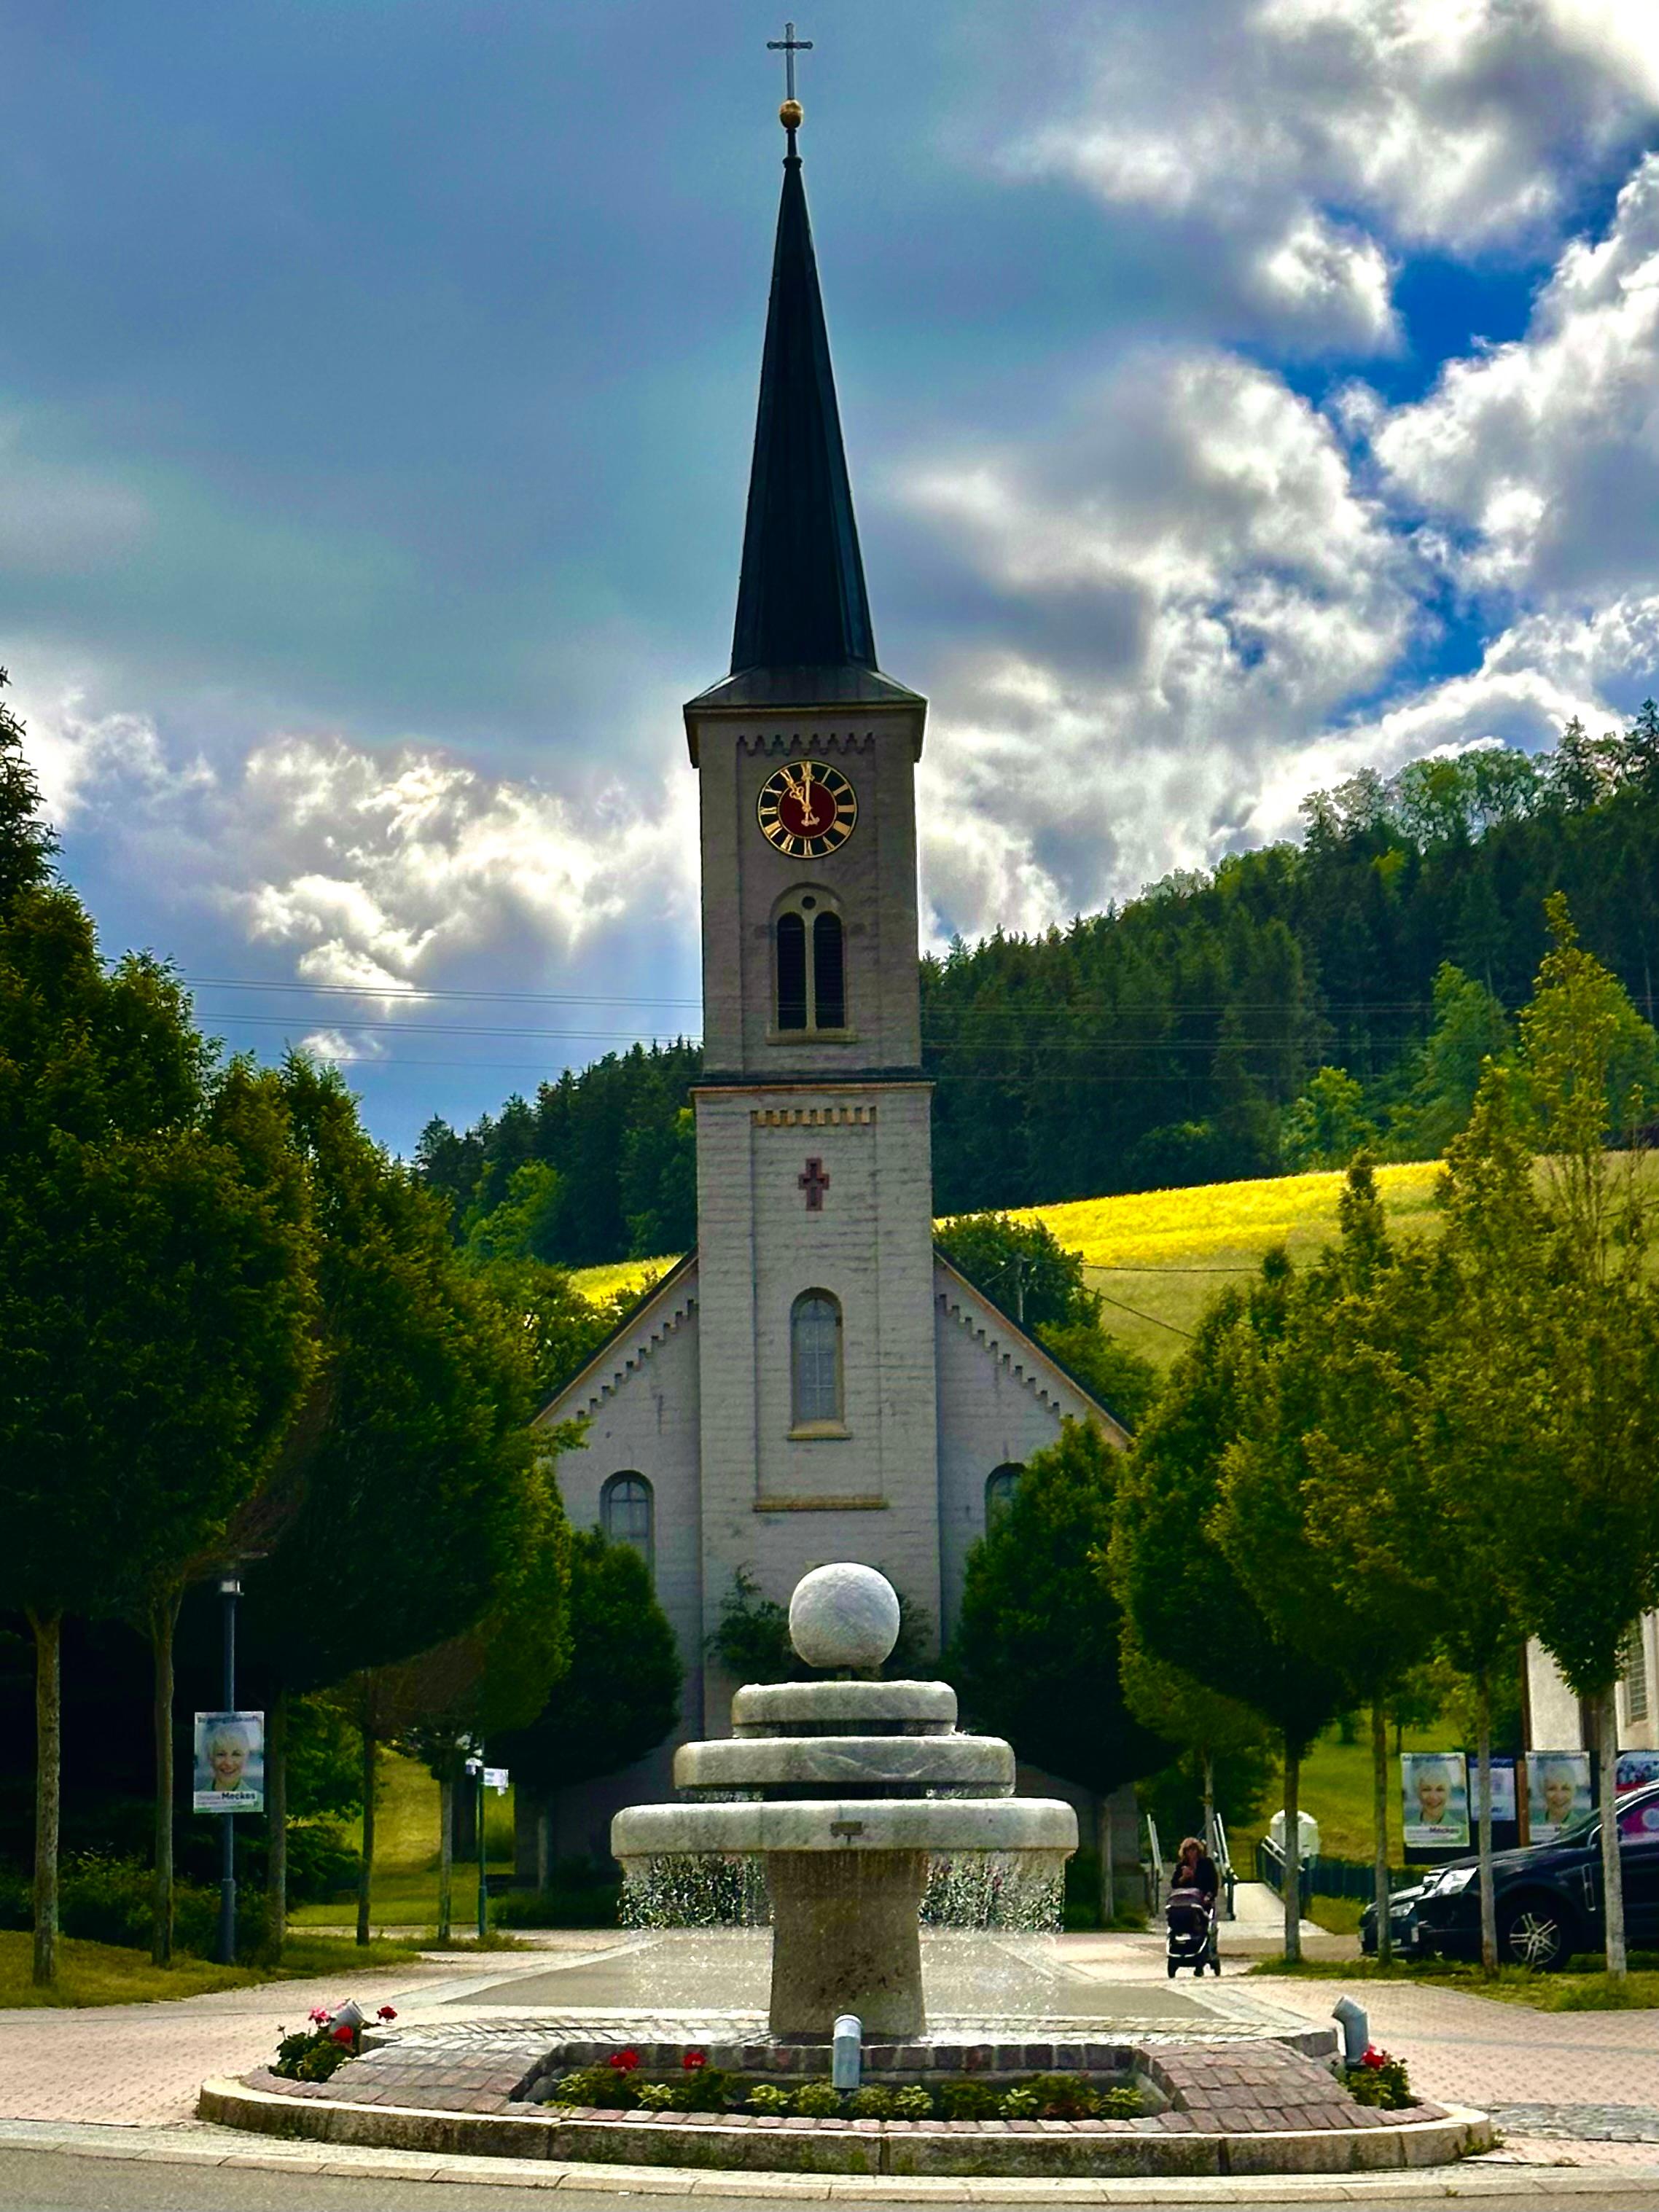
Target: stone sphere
{"points": [[844, 1615]]}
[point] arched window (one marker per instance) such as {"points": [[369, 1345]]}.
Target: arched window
{"points": [[815, 1361], [809, 951], [791, 972], [828, 973], [625, 1512], [1000, 1485]]}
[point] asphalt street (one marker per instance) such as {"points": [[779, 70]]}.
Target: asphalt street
{"points": [[59, 2181]]}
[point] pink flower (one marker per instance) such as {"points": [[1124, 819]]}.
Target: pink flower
{"points": [[318, 2016], [341, 2035], [387, 2012], [624, 2062], [694, 2059]]}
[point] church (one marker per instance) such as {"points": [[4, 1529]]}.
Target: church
{"points": [[815, 1381]]}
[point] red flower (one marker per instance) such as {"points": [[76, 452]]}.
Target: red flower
{"points": [[623, 2061], [387, 2012], [341, 2035], [694, 2059], [1374, 2056]]}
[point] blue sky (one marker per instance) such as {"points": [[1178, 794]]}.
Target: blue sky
{"points": [[1235, 394]]}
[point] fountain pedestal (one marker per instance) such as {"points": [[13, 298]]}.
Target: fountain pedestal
{"points": [[849, 1792], [846, 1938]]}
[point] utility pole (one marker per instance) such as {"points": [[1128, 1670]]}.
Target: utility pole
{"points": [[230, 1589]]}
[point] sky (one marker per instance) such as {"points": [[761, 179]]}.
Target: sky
{"points": [[1237, 393]]}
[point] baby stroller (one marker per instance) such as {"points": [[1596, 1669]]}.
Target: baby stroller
{"points": [[1190, 1939]]}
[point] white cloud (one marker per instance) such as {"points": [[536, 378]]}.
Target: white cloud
{"points": [[1294, 135], [375, 874], [1186, 581], [1541, 457]]}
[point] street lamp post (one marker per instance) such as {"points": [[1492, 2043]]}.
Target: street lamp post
{"points": [[230, 1590]]}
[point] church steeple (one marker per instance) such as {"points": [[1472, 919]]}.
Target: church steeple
{"points": [[801, 599]]}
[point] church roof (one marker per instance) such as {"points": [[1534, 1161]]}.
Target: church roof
{"points": [[1016, 1333], [801, 599]]}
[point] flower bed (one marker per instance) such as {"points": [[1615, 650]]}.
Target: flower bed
{"points": [[620, 2084]]}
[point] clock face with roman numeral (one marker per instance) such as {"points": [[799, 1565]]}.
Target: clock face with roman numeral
{"points": [[807, 810]]}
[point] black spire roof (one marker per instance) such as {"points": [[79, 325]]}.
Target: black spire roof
{"points": [[803, 635], [801, 600]]}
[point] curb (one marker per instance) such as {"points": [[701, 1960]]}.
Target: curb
{"points": [[152, 2145], [938, 2160]]}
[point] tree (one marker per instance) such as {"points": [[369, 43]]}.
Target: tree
{"points": [[27, 842], [1206, 1723], [1327, 1124], [155, 1287], [1332, 1408], [621, 1694], [409, 1458], [500, 1675], [1034, 1656], [1573, 1378], [1174, 1578], [1470, 1027]]}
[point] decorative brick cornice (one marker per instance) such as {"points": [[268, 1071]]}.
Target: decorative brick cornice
{"points": [[668, 1309], [777, 744], [812, 1118]]}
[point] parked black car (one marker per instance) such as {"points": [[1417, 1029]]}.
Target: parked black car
{"points": [[1548, 1895]]}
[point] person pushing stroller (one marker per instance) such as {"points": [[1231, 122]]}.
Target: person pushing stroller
{"points": [[1189, 1915]]}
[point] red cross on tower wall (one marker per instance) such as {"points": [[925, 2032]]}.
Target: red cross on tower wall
{"points": [[814, 1182]]}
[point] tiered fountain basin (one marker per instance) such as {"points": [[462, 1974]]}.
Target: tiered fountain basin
{"points": [[850, 1794]]}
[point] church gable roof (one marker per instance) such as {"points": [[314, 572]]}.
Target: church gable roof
{"points": [[667, 1306], [1002, 1337]]}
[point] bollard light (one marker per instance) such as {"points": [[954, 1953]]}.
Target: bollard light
{"points": [[1356, 2030], [846, 2052]]}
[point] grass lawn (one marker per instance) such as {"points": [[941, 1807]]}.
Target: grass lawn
{"points": [[1336, 1788], [107, 1973], [405, 1893], [1587, 1992]]}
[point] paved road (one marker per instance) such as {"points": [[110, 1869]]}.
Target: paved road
{"points": [[49, 2181]]}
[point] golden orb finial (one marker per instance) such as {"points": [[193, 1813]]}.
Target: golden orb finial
{"points": [[792, 114]]}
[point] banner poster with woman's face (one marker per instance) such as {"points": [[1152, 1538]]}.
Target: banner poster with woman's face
{"points": [[1557, 1790], [230, 1762], [1435, 1790]]}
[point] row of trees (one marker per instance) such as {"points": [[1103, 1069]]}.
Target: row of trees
{"points": [[1272, 1014], [1402, 1451], [235, 1335]]}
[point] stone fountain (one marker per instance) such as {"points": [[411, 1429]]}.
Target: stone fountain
{"points": [[846, 1789]]}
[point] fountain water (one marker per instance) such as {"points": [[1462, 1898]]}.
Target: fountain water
{"points": [[850, 1792]]}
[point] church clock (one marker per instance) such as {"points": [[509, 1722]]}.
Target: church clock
{"points": [[807, 811]]}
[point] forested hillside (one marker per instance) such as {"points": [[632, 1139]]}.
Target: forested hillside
{"points": [[1269, 1015]]}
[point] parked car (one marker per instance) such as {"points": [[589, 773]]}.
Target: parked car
{"points": [[1402, 1921], [1548, 1895]]}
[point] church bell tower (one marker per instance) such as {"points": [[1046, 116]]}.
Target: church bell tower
{"points": [[816, 1327]]}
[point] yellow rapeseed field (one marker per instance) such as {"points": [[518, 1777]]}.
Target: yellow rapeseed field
{"points": [[1159, 1256]]}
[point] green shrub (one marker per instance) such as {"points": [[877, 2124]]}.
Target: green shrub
{"points": [[1018, 2104], [816, 2100], [1121, 2105], [970, 2100], [580, 1894], [708, 2089], [659, 2097], [1382, 2082], [767, 2097], [1062, 2097], [321, 1864], [611, 2087], [913, 2103], [874, 2103]]}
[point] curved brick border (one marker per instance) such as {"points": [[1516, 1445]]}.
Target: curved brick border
{"points": [[995, 2147]]}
